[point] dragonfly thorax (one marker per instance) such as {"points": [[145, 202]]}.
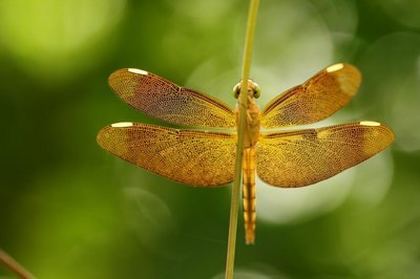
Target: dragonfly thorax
{"points": [[252, 129]]}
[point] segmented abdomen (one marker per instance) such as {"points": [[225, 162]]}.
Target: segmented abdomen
{"points": [[248, 194]]}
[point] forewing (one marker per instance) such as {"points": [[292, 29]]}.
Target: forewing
{"points": [[316, 99], [196, 158], [300, 158], [162, 99]]}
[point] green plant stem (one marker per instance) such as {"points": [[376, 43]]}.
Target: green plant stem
{"points": [[14, 266], [243, 101]]}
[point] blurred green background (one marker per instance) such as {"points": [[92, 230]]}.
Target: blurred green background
{"points": [[70, 210]]}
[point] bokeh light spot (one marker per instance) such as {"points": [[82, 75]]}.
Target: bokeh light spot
{"points": [[57, 38], [283, 205], [369, 189], [279, 61], [149, 217], [402, 11], [392, 84]]}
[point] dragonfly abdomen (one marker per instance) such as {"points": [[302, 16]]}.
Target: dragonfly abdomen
{"points": [[248, 194]]}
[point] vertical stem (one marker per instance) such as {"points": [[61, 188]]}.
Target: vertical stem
{"points": [[14, 266], [243, 100]]}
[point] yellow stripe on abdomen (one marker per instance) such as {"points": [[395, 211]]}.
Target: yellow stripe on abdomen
{"points": [[248, 194]]}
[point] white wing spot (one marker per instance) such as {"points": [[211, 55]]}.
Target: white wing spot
{"points": [[369, 123], [122, 124], [335, 67], [138, 71]]}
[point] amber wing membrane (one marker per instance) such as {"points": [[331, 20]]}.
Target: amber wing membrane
{"points": [[300, 158], [196, 158], [162, 99], [314, 100]]}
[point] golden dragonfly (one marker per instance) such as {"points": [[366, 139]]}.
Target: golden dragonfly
{"points": [[206, 158]]}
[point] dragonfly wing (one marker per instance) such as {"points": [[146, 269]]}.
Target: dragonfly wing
{"points": [[301, 158], [197, 158], [162, 99], [314, 100]]}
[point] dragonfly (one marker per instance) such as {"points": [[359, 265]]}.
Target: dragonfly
{"points": [[203, 155]]}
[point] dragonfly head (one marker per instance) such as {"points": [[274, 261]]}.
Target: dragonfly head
{"points": [[254, 90]]}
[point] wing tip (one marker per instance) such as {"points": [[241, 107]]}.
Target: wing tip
{"points": [[119, 77], [102, 138], [390, 135], [348, 75], [114, 79]]}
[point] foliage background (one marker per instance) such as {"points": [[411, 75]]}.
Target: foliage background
{"points": [[70, 210]]}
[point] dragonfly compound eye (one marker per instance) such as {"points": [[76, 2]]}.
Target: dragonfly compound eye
{"points": [[256, 89], [237, 90]]}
